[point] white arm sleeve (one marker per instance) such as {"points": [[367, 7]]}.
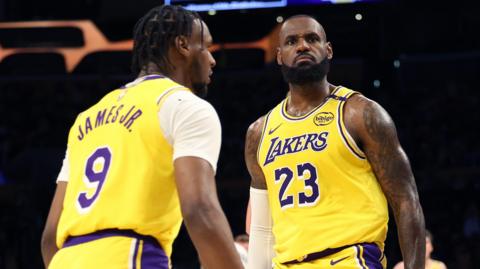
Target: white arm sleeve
{"points": [[191, 125], [260, 247], [65, 170], [242, 252]]}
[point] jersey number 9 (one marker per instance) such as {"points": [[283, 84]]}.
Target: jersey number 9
{"points": [[96, 170]]}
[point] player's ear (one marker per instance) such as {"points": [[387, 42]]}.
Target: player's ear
{"points": [[279, 57], [182, 45], [329, 51]]}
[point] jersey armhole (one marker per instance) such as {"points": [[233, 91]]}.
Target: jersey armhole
{"points": [[264, 127], [347, 139]]}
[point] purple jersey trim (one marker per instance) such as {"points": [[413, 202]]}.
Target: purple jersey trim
{"points": [[149, 77], [153, 257], [75, 240], [359, 259], [264, 130], [343, 134], [372, 256], [317, 255], [284, 106]]}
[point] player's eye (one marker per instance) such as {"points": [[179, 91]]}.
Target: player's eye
{"points": [[312, 38], [290, 41]]}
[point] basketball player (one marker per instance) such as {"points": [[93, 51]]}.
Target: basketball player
{"points": [[142, 158], [324, 163], [429, 262]]}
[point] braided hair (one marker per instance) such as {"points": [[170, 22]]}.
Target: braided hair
{"points": [[156, 31]]}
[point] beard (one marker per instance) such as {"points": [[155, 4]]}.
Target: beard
{"points": [[200, 89], [306, 72]]}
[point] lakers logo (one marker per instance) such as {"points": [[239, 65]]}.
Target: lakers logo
{"points": [[289, 145], [323, 118]]}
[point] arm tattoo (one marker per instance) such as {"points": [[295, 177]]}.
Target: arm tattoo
{"points": [[392, 169], [251, 146], [388, 160]]}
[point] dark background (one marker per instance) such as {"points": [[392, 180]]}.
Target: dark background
{"points": [[421, 61]]}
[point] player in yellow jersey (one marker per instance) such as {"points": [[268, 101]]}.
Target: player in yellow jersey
{"points": [[143, 158], [429, 262], [324, 163]]}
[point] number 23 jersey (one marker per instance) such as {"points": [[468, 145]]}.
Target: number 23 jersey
{"points": [[322, 191]]}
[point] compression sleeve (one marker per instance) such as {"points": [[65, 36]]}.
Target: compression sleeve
{"points": [[260, 247]]}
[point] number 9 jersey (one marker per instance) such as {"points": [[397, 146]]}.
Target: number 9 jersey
{"points": [[321, 189], [120, 162]]}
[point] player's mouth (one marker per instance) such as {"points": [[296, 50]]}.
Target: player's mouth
{"points": [[210, 76], [304, 58]]}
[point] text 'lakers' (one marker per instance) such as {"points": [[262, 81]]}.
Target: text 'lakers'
{"points": [[114, 114], [279, 147]]}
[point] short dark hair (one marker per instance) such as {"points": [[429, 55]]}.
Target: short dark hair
{"points": [[156, 31]]}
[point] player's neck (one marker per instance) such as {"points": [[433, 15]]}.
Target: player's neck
{"points": [[150, 69], [178, 75], [181, 77], [303, 98]]}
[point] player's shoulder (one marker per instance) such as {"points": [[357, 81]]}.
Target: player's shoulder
{"points": [[399, 265], [364, 117], [185, 99], [256, 127], [439, 264], [358, 106], [358, 100], [185, 107]]}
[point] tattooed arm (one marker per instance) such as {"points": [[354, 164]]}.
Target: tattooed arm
{"points": [[252, 141], [374, 131], [260, 247]]}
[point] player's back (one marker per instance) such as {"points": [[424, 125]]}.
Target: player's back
{"points": [[121, 172]]}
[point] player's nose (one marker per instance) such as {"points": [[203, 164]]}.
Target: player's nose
{"points": [[211, 60], [302, 45]]}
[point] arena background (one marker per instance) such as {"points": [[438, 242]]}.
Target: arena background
{"points": [[421, 61]]}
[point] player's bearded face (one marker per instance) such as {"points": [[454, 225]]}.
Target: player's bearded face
{"points": [[306, 72], [199, 87], [202, 61]]}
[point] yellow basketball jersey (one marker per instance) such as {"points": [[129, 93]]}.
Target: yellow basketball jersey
{"points": [[121, 168], [434, 264], [322, 191]]}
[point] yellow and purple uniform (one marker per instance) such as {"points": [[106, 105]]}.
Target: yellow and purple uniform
{"points": [[121, 208], [324, 198]]}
